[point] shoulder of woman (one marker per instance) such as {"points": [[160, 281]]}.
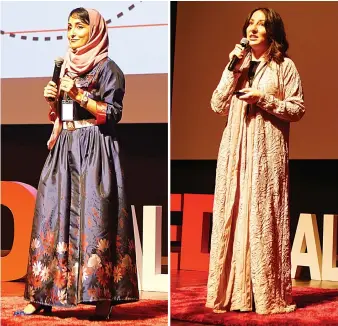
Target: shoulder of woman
{"points": [[111, 66], [289, 66], [288, 63], [111, 72]]}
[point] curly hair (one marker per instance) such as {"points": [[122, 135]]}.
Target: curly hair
{"points": [[278, 44]]}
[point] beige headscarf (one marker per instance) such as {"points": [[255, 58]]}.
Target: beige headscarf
{"points": [[79, 61]]}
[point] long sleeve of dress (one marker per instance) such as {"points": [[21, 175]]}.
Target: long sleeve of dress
{"points": [[221, 97], [291, 108], [112, 89]]}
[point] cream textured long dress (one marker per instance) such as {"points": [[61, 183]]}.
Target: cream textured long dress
{"points": [[250, 260]]}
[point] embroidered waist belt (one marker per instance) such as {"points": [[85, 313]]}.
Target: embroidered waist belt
{"points": [[73, 125]]}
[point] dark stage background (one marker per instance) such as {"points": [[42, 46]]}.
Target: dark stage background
{"points": [[313, 186], [144, 149]]}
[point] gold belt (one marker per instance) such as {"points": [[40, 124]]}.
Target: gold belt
{"points": [[73, 125]]}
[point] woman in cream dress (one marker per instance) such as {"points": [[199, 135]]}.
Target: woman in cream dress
{"points": [[250, 265]]}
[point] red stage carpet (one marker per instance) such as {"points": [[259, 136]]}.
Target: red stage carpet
{"points": [[315, 307], [144, 312]]}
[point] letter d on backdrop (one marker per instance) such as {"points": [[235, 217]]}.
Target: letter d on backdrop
{"points": [[20, 199]]}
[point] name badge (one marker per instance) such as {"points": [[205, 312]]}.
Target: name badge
{"points": [[67, 113]]}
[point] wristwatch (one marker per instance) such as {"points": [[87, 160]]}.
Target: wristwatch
{"points": [[84, 100]]}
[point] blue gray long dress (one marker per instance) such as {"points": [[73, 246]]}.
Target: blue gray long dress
{"points": [[82, 245]]}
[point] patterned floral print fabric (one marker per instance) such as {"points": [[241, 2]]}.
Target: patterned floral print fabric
{"points": [[82, 245], [250, 247]]}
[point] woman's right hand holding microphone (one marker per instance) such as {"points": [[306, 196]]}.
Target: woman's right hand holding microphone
{"points": [[239, 52], [50, 92]]}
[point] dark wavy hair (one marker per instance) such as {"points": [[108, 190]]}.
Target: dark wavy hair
{"points": [[80, 13], [278, 44]]}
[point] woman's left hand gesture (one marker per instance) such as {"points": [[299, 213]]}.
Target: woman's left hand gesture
{"points": [[251, 95], [68, 85]]}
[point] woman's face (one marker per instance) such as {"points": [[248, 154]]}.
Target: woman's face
{"points": [[78, 33], [256, 32]]}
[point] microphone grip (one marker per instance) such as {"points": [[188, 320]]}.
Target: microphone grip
{"points": [[56, 74], [55, 79], [233, 63], [235, 59]]}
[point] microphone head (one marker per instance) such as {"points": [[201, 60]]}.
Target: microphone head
{"points": [[244, 42], [58, 61]]}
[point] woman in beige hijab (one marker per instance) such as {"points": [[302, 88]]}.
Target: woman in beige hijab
{"points": [[82, 245], [250, 246]]}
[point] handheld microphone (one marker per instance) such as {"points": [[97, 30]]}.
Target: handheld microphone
{"points": [[56, 74], [235, 59]]}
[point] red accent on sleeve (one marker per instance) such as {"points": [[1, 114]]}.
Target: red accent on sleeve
{"points": [[52, 113], [101, 113]]}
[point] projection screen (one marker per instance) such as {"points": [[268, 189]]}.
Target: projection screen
{"points": [[34, 33]]}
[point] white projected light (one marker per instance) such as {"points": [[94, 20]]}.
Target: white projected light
{"points": [[34, 33]]}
